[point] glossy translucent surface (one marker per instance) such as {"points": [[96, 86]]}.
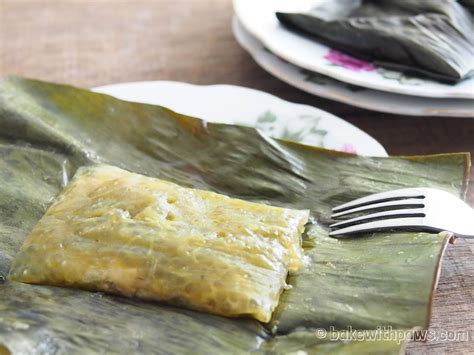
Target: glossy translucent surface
{"points": [[115, 231]]}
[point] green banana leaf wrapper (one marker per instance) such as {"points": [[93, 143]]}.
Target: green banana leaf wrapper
{"points": [[427, 38], [376, 280]]}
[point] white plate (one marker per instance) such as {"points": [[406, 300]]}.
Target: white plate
{"points": [[330, 88], [238, 105], [258, 17]]}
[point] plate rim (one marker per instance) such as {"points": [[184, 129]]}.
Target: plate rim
{"points": [[258, 54], [351, 79]]}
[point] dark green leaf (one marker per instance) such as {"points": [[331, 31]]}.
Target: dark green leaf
{"points": [[47, 131], [426, 37]]}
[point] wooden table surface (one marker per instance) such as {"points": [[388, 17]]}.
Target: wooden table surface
{"points": [[96, 42]]}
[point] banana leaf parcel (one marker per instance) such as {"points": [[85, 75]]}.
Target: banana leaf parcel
{"points": [[430, 38], [48, 131]]}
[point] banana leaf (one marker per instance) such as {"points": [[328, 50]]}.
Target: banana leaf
{"points": [[429, 38], [48, 131], [468, 4]]}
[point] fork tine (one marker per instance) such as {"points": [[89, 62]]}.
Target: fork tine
{"points": [[381, 197], [415, 222], [417, 212], [397, 203]]}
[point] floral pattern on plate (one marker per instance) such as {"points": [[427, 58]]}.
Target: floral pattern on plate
{"points": [[304, 128], [324, 86], [340, 59], [346, 61], [258, 18], [402, 78], [272, 116]]}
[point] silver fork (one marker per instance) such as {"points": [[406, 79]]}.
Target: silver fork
{"points": [[413, 208]]}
